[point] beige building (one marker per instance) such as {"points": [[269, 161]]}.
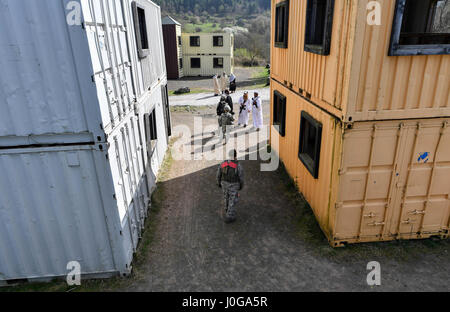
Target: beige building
{"points": [[206, 54]]}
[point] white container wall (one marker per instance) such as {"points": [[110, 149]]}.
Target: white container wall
{"points": [[79, 166], [54, 207], [46, 78], [49, 66]]}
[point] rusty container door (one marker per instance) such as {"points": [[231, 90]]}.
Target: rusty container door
{"points": [[394, 181]]}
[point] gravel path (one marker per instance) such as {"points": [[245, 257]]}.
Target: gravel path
{"points": [[275, 245]]}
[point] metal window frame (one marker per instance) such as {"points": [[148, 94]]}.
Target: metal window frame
{"points": [[200, 62], [396, 49], [214, 41], [214, 62], [282, 44], [190, 41], [325, 47], [143, 53], [279, 99], [311, 164]]}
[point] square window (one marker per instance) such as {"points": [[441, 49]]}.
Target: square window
{"points": [[195, 62], [279, 112], [319, 25], [309, 143], [282, 24], [421, 28], [218, 62], [194, 41], [140, 25], [218, 41]]}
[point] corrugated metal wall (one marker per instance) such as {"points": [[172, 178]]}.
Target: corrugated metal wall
{"points": [[393, 181], [206, 65], [322, 77], [173, 50], [51, 212], [358, 81], [53, 198], [393, 87], [40, 88], [207, 52], [315, 191]]}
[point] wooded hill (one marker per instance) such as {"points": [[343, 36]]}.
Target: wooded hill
{"points": [[198, 7]]}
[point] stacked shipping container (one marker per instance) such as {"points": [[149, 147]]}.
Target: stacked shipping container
{"points": [[84, 131], [363, 126]]}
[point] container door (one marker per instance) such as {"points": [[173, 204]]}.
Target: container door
{"points": [[394, 181], [424, 205]]}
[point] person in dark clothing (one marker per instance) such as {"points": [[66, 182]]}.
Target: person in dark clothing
{"points": [[221, 105], [232, 83], [229, 101]]}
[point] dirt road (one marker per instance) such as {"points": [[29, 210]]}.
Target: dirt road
{"points": [[275, 245]]}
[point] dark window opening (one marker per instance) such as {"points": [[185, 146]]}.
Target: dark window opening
{"points": [[218, 62], [309, 143], [179, 40], [218, 41], [181, 63], [194, 41], [319, 25], [195, 62], [421, 28], [151, 135], [140, 25], [279, 112], [167, 119], [282, 24]]}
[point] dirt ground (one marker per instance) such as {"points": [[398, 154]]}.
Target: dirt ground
{"points": [[275, 245], [243, 78]]}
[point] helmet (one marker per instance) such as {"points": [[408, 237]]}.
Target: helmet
{"points": [[227, 108]]}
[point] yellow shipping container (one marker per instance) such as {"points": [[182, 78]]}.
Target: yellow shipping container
{"points": [[361, 71], [366, 181]]}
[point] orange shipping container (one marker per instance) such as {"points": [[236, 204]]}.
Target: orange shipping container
{"points": [[375, 180], [357, 80]]}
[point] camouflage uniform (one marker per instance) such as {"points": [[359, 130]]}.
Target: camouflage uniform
{"points": [[230, 176], [226, 119]]}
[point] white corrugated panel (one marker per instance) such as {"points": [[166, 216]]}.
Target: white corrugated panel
{"points": [[51, 212], [40, 91]]}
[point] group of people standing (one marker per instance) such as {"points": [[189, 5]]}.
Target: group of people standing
{"points": [[221, 82], [225, 111]]}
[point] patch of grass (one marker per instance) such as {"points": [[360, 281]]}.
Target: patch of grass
{"points": [[205, 27], [139, 260], [193, 91], [260, 73]]}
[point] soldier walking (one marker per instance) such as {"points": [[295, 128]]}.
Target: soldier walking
{"points": [[226, 119], [230, 177]]}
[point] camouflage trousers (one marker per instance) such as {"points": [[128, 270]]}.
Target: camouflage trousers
{"points": [[231, 198]]}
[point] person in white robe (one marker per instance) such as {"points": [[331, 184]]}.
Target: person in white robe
{"points": [[224, 82], [257, 111], [217, 88], [244, 110]]}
